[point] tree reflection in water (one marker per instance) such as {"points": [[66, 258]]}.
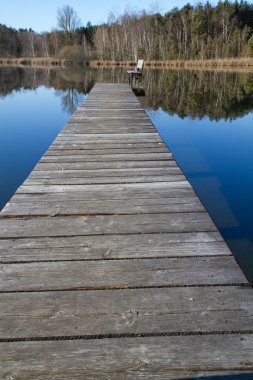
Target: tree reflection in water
{"points": [[196, 94], [70, 99]]}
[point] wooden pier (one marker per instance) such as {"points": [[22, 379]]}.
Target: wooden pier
{"points": [[111, 268]]}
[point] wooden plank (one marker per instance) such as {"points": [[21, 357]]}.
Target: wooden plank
{"points": [[113, 247], [120, 115], [95, 105], [103, 180], [169, 357], [71, 152], [96, 110], [127, 172], [64, 141], [109, 138], [107, 187], [104, 165], [127, 126], [119, 108], [116, 126], [131, 112], [115, 224], [108, 274], [90, 207], [150, 136], [109, 131], [118, 147], [77, 127], [108, 157], [111, 145], [132, 311], [101, 194]]}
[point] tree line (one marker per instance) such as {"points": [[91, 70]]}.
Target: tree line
{"points": [[203, 31]]}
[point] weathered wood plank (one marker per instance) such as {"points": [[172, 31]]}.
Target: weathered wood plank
{"points": [[88, 109], [72, 152], [104, 165], [131, 311], [131, 112], [74, 126], [112, 105], [150, 136], [87, 143], [107, 157], [99, 225], [90, 207], [107, 187], [107, 139], [101, 194], [127, 172], [140, 125], [65, 253], [103, 115], [110, 145], [113, 247], [107, 274], [103, 180], [169, 357]]}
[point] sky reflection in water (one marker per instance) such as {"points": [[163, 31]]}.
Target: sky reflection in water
{"points": [[30, 121], [216, 156]]}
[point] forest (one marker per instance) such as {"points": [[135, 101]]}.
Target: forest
{"points": [[196, 32]]}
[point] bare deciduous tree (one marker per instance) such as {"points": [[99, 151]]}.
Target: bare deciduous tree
{"points": [[68, 22]]}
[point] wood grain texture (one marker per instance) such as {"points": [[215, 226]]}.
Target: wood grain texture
{"points": [[104, 225], [100, 194], [111, 207], [150, 136], [75, 152], [104, 146], [79, 128], [103, 180], [108, 157], [125, 311], [85, 165], [113, 247], [172, 357], [106, 274], [130, 172], [27, 189]]}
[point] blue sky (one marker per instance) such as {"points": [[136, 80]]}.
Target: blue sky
{"points": [[41, 15]]}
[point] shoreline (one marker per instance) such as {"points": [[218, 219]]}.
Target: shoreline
{"points": [[211, 63], [24, 62], [40, 62], [236, 64]]}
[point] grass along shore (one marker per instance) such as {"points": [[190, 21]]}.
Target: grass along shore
{"points": [[230, 63], [210, 63], [40, 62], [27, 61]]}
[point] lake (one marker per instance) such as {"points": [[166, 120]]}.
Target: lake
{"points": [[204, 117]]}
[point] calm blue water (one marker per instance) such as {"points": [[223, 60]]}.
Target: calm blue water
{"points": [[217, 159], [216, 156], [30, 121]]}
